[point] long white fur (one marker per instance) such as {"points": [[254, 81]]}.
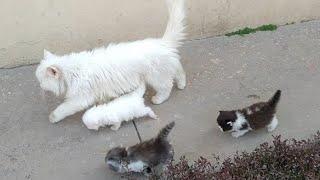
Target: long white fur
{"points": [[124, 108], [105, 73]]}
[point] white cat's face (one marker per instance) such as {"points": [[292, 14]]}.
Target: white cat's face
{"points": [[49, 75]]}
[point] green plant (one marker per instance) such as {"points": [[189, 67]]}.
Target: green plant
{"points": [[247, 30]]}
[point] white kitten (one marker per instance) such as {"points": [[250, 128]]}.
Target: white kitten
{"points": [[124, 108], [104, 73]]}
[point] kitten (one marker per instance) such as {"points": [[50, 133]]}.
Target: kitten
{"points": [[124, 108], [92, 77], [256, 116], [142, 157]]}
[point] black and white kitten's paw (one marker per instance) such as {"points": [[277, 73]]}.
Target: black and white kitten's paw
{"points": [[237, 134], [273, 124]]}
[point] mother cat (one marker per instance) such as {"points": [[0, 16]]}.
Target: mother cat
{"points": [[105, 73]]}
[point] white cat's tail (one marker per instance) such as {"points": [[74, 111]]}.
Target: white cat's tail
{"points": [[174, 33]]}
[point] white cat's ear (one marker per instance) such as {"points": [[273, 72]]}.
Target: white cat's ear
{"points": [[47, 54], [54, 71], [229, 123]]}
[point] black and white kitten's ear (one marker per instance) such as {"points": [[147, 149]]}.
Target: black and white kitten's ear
{"points": [[54, 71], [47, 54]]}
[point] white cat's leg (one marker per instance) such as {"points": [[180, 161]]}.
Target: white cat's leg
{"points": [[180, 77], [273, 124], [163, 90], [69, 107], [115, 126], [239, 133]]}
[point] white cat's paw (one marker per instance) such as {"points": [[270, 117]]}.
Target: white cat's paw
{"points": [[157, 100], [53, 118], [181, 85], [115, 127], [155, 117], [96, 128]]}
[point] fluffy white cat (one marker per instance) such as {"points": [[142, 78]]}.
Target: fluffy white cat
{"points": [[124, 108], [97, 76]]}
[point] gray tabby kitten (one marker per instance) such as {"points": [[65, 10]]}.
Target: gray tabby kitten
{"points": [[142, 157]]}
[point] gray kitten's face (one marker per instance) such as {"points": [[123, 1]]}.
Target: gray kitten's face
{"points": [[116, 159]]}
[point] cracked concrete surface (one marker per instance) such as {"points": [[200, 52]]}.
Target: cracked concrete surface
{"points": [[223, 73]]}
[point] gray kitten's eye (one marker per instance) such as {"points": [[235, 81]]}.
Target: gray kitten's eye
{"points": [[112, 159], [148, 170]]}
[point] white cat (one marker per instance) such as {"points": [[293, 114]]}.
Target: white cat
{"points": [[105, 73], [124, 108]]}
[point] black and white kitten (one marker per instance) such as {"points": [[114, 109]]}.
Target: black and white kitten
{"points": [[142, 157], [256, 116]]}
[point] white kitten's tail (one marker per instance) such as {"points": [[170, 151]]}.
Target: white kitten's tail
{"points": [[174, 33]]}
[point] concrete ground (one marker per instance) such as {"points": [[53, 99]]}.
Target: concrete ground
{"points": [[223, 73]]}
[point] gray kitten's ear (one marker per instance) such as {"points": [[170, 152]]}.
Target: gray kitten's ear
{"points": [[47, 54]]}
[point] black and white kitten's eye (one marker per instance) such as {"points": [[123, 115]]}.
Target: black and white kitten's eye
{"points": [[229, 123]]}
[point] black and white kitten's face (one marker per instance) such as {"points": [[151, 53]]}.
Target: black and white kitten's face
{"points": [[116, 159], [226, 119]]}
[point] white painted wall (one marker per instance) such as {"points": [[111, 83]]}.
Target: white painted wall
{"points": [[27, 27]]}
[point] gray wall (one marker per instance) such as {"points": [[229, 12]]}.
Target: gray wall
{"points": [[27, 27]]}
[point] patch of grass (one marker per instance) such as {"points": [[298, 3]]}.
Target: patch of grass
{"points": [[247, 30], [281, 159], [305, 20]]}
